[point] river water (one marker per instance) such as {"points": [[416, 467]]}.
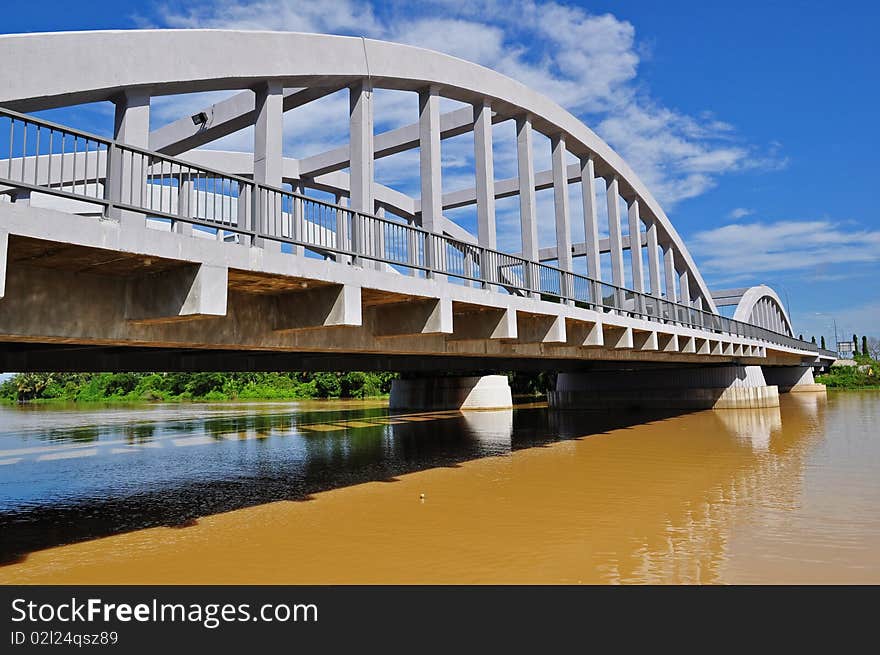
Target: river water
{"points": [[348, 492]]}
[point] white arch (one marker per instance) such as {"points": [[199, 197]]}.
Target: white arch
{"points": [[66, 68], [752, 304]]}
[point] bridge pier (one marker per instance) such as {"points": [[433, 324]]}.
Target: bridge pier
{"points": [[711, 387], [443, 393], [792, 378]]}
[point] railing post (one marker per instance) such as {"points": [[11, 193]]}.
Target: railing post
{"points": [[341, 229], [245, 204], [379, 237], [185, 210], [296, 218], [258, 218], [412, 249], [113, 181]]}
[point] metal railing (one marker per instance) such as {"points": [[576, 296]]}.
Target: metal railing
{"points": [[48, 158]]}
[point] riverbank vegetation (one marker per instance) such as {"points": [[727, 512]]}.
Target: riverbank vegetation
{"points": [[219, 387], [865, 374], [136, 387]]}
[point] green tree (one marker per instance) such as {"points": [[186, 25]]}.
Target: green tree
{"points": [[813, 339], [823, 343], [801, 337], [864, 346], [855, 346]]}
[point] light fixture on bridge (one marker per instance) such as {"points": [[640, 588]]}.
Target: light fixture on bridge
{"points": [[200, 119]]}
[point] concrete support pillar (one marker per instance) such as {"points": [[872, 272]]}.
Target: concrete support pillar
{"points": [[718, 387], [445, 393], [361, 157], [527, 207], [653, 259], [615, 240], [591, 220], [268, 158], [635, 245], [561, 210], [792, 378], [131, 126], [669, 271], [485, 175]]}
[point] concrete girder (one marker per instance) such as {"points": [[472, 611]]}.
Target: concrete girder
{"points": [[645, 340], [187, 292], [484, 324], [532, 328], [585, 335], [620, 338], [429, 316], [322, 307]]}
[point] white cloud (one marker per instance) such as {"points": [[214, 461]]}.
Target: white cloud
{"points": [[739, 212], [741, 250]]}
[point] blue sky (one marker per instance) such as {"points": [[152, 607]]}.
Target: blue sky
{"points": [[753, 123]]}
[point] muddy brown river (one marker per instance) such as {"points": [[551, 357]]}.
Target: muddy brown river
{"points": [[348, 492]]}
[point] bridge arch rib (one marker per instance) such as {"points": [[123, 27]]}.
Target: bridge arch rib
{"points": [[759, 305], [285, 70]]}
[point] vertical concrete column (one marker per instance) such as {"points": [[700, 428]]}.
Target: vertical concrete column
{"points": [[131, 126], [669, 270], [430, 170], [653, 259], [684, 286], [527, 207], [485, 175], [635, 245], [485, 178], [591, 220], [615, 240], [563, 216], [360, 106], [268, 135]]}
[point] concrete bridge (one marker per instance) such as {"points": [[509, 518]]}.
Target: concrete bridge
{"points": [[145, 251]]}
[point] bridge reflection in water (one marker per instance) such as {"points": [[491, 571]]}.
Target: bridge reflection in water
{"points": [[608, 498]]}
